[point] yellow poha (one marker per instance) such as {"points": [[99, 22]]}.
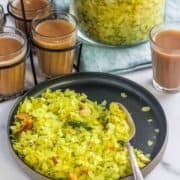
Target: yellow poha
{"points": [[72, 137]]}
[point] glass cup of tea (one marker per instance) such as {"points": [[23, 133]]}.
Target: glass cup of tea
{"points": [[165, 50], [32, 9], [54, 38], [2, 17], [13, 52]]}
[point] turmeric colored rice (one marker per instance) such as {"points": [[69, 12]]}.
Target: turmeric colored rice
{"points": [[64, 135]]}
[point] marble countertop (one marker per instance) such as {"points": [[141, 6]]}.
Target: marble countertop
{"points": [[168, 168]]}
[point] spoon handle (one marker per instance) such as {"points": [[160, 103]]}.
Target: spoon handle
{"points": [[135, 168]]}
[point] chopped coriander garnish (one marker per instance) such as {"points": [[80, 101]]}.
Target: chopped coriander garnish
{"points": [[78, 124]]}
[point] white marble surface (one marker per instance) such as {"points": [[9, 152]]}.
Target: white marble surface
{"points": [[168, 168]]}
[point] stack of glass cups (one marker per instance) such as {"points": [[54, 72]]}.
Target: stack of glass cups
{"points": [[54, 36]]}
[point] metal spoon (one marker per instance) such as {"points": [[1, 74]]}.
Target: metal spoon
{"points": [[135, 168]]}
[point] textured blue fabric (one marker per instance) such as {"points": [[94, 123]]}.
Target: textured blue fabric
{"points": [[102, 59]]}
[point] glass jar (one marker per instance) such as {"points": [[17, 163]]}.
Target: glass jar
{"points": [[117, 22]]}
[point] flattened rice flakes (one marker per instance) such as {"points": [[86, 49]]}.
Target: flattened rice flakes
{"points": [[118, 22], [64, 143]]}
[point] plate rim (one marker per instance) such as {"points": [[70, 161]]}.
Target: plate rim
{"points": [[146, 170]]}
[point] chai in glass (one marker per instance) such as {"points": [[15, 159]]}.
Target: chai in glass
{"points": [[165, 48], [13, 48], [57, 32], [32, 9]]}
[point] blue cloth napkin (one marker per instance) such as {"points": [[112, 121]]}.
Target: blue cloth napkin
{"points": [[118, 60], [114, 60]]}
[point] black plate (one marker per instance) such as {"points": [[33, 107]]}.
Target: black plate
{"points": [[102, 86]]}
